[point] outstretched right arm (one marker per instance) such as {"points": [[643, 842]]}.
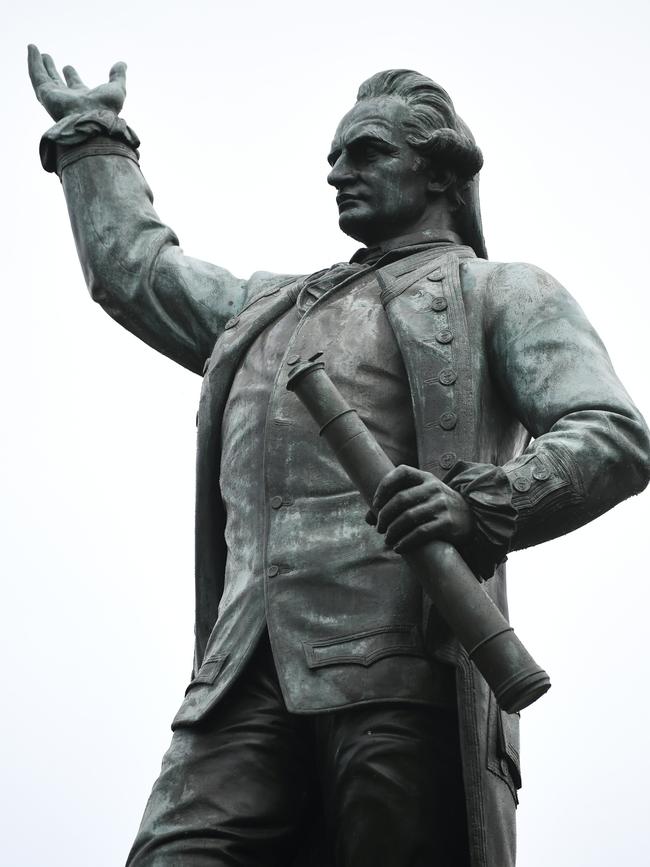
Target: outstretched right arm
{"points": [[131, 260], [133, 265]]}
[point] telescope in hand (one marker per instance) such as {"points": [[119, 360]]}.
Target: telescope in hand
{"points": [[510, 671]]}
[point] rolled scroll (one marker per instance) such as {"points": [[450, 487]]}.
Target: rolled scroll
{"points": [[510, 671]]}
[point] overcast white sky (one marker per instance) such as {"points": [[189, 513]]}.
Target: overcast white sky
{"points": [[236, 105]]}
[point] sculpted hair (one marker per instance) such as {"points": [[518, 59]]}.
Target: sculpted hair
{"points": [[434, 128]]}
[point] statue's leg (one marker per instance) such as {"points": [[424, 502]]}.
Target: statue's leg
{"points": [[233, 790], [393, 787]]}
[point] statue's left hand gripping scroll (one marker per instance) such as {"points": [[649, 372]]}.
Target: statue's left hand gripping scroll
{"points": [[131, 260]]}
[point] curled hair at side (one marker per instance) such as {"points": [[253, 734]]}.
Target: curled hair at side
{"points": [[451, 150], [434, 129]]}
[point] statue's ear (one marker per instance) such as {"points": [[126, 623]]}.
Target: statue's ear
{"points": [[463, 160], [440, 180]]}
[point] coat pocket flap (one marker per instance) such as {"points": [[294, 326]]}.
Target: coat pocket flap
{"points": [[364, 648], [209, 671], [509, 743], [503, 746]]}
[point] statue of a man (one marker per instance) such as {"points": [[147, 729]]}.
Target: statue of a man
{"points": [[325, 683]]}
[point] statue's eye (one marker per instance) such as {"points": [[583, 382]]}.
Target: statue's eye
{"points": [[365, 151]]}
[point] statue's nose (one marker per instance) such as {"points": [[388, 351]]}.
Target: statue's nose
{"points": [[341, 173]]}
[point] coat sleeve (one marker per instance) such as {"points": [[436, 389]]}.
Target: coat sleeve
{"points": [[590, 447], [132, 262]]}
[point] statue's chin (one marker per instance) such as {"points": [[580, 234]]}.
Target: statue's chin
{"points": [[368, 229], [356, 228]]}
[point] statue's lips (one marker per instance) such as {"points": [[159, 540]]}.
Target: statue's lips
{"points": [[344, 200]]}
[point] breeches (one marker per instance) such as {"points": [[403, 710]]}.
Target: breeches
{"points": [[376, 785]]}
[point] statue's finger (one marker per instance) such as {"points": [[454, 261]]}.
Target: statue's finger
{"points": [[51, 69], [72, 77], [117, 74], [401, 502], [37, 72], [408, 521], [396, 480], [371, 518], [423, 533]]}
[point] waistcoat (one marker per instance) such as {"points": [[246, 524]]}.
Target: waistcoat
{"points": [[456, 414]]}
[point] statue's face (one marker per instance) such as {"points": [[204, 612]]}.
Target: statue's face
{"points": [[381, 181]]}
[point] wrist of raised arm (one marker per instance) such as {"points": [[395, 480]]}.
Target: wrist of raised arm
{"points": [[66, 155], [86, 134]]}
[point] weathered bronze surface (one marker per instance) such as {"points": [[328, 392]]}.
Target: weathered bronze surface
{"points": [[317, 652], [511, 673]]}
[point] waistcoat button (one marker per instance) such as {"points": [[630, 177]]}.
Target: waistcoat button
{"points": [[541, 474], [447, 376], [447, 460], [439, 303], [522, 484], [448, 420], [276, 502], [272, 570], [444, 336]]}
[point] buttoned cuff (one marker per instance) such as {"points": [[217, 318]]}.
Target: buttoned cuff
{"points": [[488, 493], [100, 131]]}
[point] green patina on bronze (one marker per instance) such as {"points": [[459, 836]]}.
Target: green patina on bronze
{"points": [[517, 429]]}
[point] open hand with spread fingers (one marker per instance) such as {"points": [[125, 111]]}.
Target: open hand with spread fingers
{"points": [[61, 98], [412, 507]]}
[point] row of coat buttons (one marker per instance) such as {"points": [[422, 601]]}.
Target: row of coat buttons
{"points": [[438, 302], [524, 483], [447, 376]]}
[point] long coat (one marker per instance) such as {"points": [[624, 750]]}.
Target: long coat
{"points": [[526, 364]]}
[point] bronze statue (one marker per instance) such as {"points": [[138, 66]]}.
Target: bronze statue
{"points": [[333, 717]]}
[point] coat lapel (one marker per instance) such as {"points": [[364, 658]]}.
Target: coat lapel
{"points": [[230, 348], [426, 312]]}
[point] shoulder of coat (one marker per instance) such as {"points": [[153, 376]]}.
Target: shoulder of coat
{"points": [[263, 283], [504, 276]]}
